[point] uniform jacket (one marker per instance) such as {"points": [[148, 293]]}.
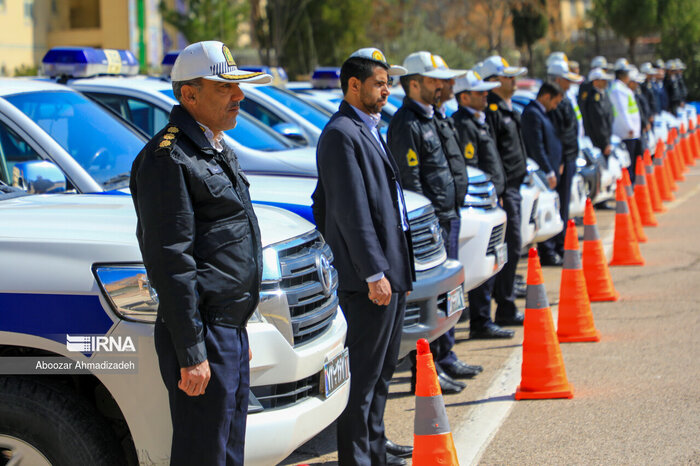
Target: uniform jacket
{"points": [[643, 105], [504, 123], [565, 122], [673, 92], [453, 151], [356, 205], [541, 140], [198, 234], [479, 148], [414, 140], [647, 88], [661, 97], [627, 123], [598, 118], [584, 91]]}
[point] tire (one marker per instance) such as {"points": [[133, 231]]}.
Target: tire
{"points": [[49, 420]]}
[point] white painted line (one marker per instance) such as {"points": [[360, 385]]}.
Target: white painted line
{"points": [[474, 435]]}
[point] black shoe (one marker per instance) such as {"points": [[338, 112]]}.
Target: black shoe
{"points": [[402, 451], [490, 330], [516, 320], [392, 460], [461, 370], [520, 290], [553, 260], [448, 385]]}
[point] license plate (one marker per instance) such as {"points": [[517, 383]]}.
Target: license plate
{"points": [[336, 372], [455, 300], [501, 254]]}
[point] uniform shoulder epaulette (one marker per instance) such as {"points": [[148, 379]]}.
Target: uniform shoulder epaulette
{"points": [[167, 140]]}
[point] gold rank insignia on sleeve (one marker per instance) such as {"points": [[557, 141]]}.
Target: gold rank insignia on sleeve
{"points": [[469, 151], [164, 143], [168, 136], [173, 130], [597, 97], [493, 107], [412, 158]]}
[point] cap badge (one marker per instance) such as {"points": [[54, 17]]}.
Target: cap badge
{"points": [[505, 63], [377, 55], [477, 76], [228, 56]]}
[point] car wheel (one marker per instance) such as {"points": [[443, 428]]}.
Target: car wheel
{"points": [[44, 424]]}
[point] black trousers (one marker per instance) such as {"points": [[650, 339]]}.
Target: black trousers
{"points": [[503, 287], [373, 339], [634, 147], [555, 244], [442, 346], [208, 429], [480, 305]]}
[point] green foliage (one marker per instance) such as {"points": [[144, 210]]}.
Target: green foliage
{"points": [[26, 70], [529, 25], [680, 38], [208, 19]]}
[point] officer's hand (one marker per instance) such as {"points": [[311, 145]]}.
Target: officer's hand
{"points": [[552, 180], [607, 149], [194, 379], [561, 169], [380, 292], [250, 354]]}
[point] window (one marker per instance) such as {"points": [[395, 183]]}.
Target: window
{"points": [[316, 115], [148, 118], [261, 113], [13, 150]]}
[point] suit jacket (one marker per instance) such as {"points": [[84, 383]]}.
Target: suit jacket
{"points": [[541, 139], [356, 205]]}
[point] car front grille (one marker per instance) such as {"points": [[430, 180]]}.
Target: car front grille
{"points": [[496, 239], [310, 282], [428, 246], [482, 195], [286, 394], [413, 311]]}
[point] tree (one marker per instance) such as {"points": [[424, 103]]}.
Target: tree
{"points": [[680, 38], [207, 19], [631, 19], [529, 25]]}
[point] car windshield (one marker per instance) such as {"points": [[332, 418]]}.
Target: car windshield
{"points": [[249, 132], [98, 141], [315, 115]]}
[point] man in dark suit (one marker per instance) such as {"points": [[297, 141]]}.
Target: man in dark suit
{"points": [[544, 147], [358, 205]]}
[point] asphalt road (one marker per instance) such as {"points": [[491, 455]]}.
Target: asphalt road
{"points": [[636, 393]]}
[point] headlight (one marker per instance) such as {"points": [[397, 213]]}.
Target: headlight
{"points": [[128, 291], [581, 162]]}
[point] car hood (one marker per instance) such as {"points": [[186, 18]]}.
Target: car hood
{"points": [[87, 218], [295, 162]]}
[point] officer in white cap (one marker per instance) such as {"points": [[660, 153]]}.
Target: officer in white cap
{"points": [[586, 87], [647, 88], [505, 126], [186, 183], [556, 56], [636, 82], [359, 208], [427, 154], [479, 149], [568, 121], [597, 111], [627, 124]]}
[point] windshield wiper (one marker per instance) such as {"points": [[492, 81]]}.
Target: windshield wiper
{"points": [[116, 180]]}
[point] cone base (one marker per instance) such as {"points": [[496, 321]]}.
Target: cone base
{"points": [[660, 210], [650, 224], [565, 392], [434, 449], [604, 297], [594, 336], [621, 262]]}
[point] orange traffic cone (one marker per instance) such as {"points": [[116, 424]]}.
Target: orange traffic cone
{"points": [[662, 174], [599, 283], [689, 159], [542, 374], [678, 145], [676, 163], [625, 246], [668, 172], [641, 196], [634, 210], [575, 322], [656, 204], [432, 439], [696, 139]]}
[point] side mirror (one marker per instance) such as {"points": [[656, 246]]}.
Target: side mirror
{"points": [[38, 177], [291, 131]]}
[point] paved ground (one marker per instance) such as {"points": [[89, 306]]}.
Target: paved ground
{"points": [[637, 392]]}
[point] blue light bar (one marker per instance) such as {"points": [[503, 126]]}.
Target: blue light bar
{"points": [[168, 62], [326, 77], [81, 62]]}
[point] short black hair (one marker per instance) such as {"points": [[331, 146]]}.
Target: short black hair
{"points": [[549, 88], [406, 79], [358, 67], [621, 74]]}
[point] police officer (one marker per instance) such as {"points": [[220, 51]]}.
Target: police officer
{"points": [[681, 81], [414, 141], [647, 88], [659, 90], [587, 86], [672, 87], [504, 123], [598, 111], [201, 246], [565, 121], [480, 151], [627, 123], [636, 81]]}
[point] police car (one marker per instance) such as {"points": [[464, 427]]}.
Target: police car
{"points": [[429, 313], [75, 264]]}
